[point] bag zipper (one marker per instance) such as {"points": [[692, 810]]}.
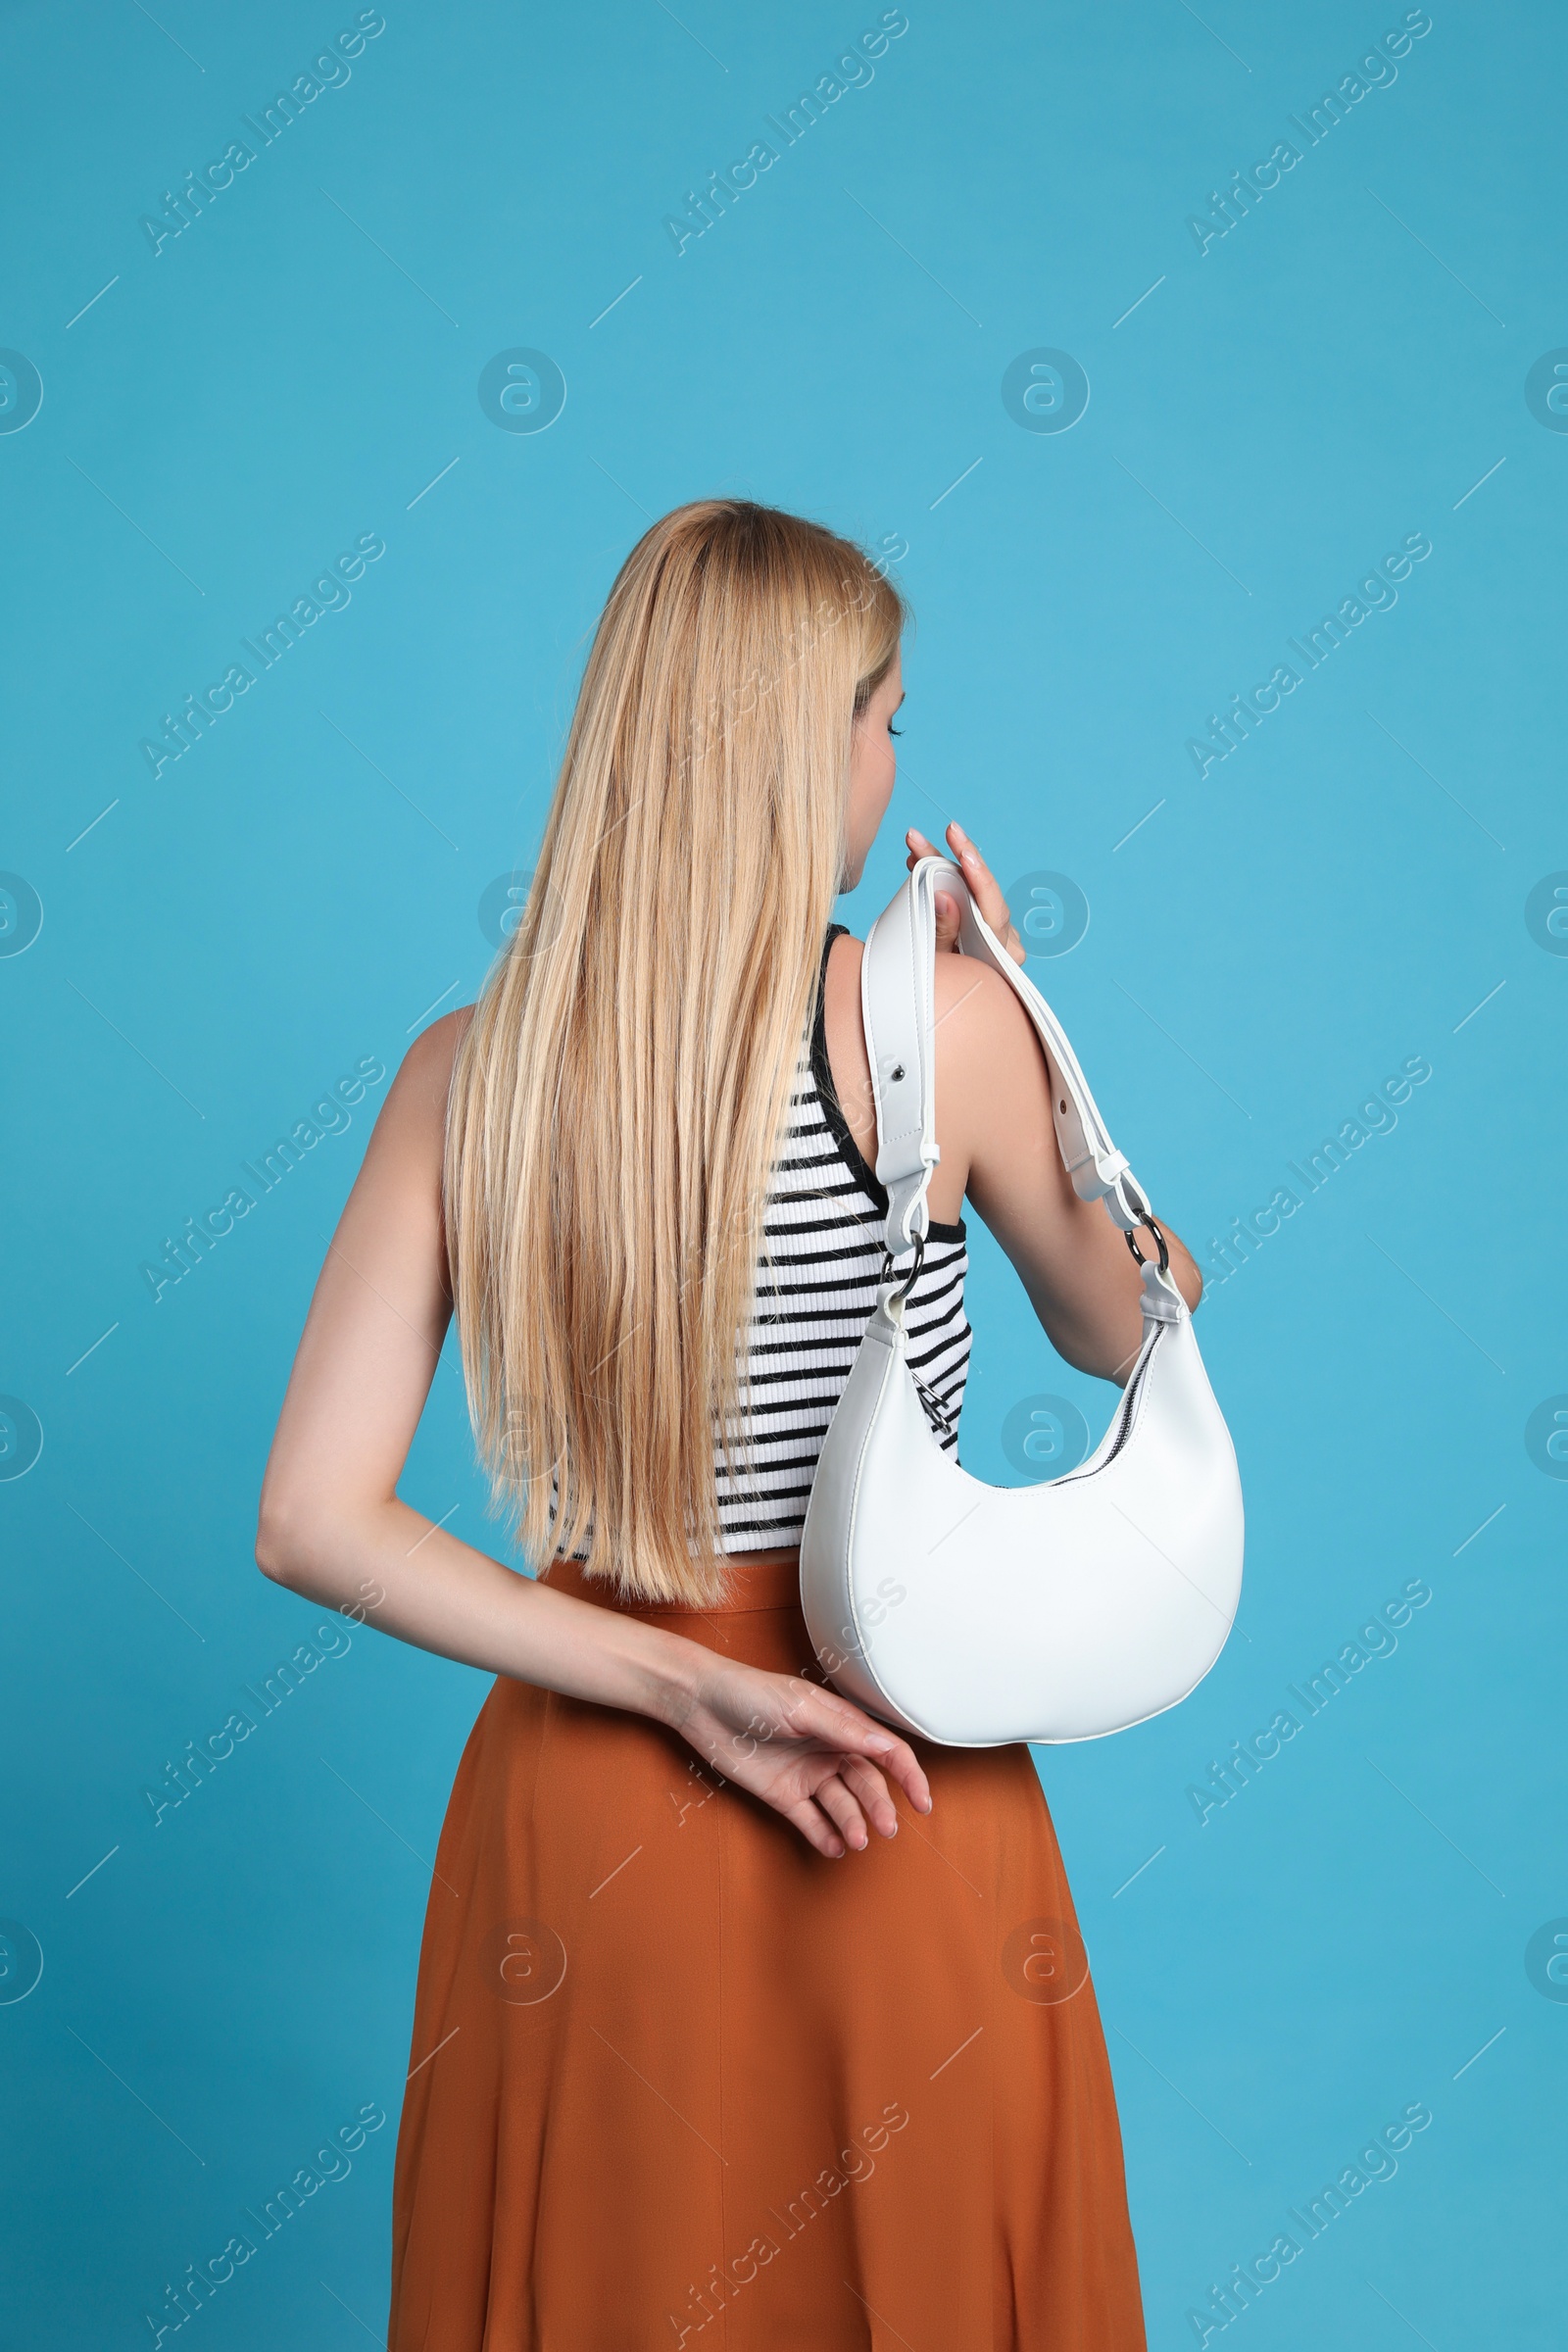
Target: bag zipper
{"points": [[1124, 1418]]}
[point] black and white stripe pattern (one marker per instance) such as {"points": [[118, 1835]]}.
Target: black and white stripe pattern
{"points": [[815, 1288], [823, 1228]]}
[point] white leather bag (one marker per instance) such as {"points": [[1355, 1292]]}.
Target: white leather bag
{"points": [[976, 1615]]}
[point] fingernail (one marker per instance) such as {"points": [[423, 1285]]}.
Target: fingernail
{"points": [[879, 1741], [955, 827]]}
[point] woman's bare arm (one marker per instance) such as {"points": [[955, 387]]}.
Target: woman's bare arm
{"points": [[331, 1525], [999, 1143]]}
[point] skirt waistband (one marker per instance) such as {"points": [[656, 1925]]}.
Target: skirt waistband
{"points": [[750, 1586]]}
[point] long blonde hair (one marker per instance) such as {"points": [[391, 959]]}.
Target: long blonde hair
{"points": [[620, 1095]]}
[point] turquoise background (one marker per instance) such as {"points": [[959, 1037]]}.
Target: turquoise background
{"points": [[299, 892]]}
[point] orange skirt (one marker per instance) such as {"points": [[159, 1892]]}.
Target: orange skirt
{"points": [[678, 2079]]}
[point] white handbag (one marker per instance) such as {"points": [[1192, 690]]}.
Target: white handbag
{"points": [[976, 1615]]}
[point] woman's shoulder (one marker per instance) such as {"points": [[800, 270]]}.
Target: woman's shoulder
{"points": [[976, 1011], [430, 1060], [418, 1100], [988, 1060]]}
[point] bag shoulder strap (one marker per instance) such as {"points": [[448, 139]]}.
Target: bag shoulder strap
{"points": [[898, 1007]]}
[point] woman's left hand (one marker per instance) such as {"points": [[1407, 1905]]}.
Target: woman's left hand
{"points": [[984, 888]]}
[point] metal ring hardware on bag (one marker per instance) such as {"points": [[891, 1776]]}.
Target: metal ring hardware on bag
{"points": [[1062, 1610], [1131, 1240], [889, 1265]]}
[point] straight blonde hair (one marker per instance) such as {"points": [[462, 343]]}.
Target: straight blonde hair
{"points": [[621, 1097]]}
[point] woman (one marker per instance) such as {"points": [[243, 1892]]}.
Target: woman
{"points": [[740, 2021]]}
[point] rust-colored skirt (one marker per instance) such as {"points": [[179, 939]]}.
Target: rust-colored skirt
{"points": [[679, 2080]]}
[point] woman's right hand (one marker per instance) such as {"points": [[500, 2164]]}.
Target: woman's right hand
{"points": [[810, 1754]]}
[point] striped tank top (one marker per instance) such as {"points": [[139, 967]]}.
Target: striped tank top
{"points": [[823, 1228], [814, 1291]]}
